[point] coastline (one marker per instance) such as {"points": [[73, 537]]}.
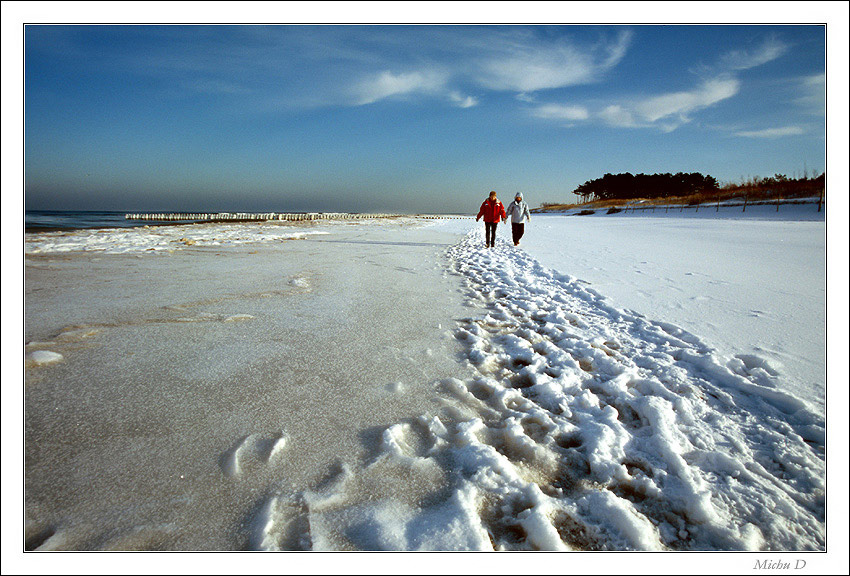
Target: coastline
{"points": [[72, 219]]}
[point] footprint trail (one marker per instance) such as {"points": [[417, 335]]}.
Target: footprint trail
{"points": [[590, 427]]}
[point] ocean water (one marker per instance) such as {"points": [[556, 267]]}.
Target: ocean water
{"points": [[44, 220]]}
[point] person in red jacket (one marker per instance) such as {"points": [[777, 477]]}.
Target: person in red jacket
{"points": [[494, 212]]}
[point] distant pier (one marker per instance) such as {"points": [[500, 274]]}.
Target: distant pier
{"points": [[265, 216]]}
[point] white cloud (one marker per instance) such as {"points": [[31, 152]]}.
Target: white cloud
{"points": [[677, 105], [387, 84], [665, 111], [462, 101], [671, 110], [517, 60], [358, 66], [813, 90], [528, 72], [772, 132], [524, 66], [616, 115], [561, 112], [770, 50]]}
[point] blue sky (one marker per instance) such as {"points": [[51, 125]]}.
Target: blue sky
{"points": [[406, 118]]}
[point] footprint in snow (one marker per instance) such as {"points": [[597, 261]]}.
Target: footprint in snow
{"points": [[250, 453]]}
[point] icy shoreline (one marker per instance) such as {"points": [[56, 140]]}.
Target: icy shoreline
{"points": [[194, 383], [171, 236]]}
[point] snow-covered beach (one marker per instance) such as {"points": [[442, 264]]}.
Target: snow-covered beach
{"points": [[392, 385]]}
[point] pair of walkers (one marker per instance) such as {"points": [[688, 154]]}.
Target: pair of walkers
{"points": [[492, 210]]}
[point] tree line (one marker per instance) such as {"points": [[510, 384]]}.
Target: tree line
{"points": [[627, 186]]}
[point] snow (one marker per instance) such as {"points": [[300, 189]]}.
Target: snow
{"points": [[751, 285], [642, 407], [396, 386], [42, 357]]}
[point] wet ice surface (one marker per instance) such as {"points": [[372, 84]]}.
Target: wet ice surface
{"points": [[194, 386], [393, 387]]}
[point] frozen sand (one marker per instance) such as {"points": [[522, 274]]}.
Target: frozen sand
{"points": [[197, 382]]}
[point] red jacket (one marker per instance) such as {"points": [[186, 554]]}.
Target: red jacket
{"points": [[492, 211]]}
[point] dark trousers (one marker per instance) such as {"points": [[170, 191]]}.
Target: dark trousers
{"points": [[518, 230], [490, 233]]}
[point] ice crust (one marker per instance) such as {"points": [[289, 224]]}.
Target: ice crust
{"points": [[165, 238], [43, 357], [198, 383], [396, 387]]}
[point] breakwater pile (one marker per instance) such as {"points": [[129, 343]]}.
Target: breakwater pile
{"points": [[264, 216], [251, 216]]}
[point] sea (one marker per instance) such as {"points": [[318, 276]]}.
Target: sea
{"points": [[57, 220]]}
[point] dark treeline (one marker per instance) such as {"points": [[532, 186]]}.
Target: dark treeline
{"points": [[627, 186], [782, 184]]}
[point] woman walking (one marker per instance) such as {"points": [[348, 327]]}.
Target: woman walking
{"points": [[518, 209], [492, 210]]}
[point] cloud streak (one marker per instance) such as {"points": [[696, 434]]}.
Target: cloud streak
{"points": [[668, 111], [813, 90], [462, 101], [504, 61], [388, 84], [311, 66], [665, 111], [772, 132], [526, 67], [770, 50], [679, 105], [561, 112]]}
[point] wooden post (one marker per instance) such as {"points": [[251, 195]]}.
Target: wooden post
{"points": [[745, 202], [820, 200]]}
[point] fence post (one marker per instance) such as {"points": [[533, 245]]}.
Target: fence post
{"points": [[745, 202], [820, 200]]}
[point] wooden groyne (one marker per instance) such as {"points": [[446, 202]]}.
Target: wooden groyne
{"points": [[191, 217], [251, 216]]}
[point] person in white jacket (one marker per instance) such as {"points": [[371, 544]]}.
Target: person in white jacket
{"points": [[517, 211]]}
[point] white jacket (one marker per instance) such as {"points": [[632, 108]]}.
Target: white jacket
{"points": [[517, 211]]}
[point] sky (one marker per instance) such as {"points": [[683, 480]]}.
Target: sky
{"points": [[408, 119]]}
